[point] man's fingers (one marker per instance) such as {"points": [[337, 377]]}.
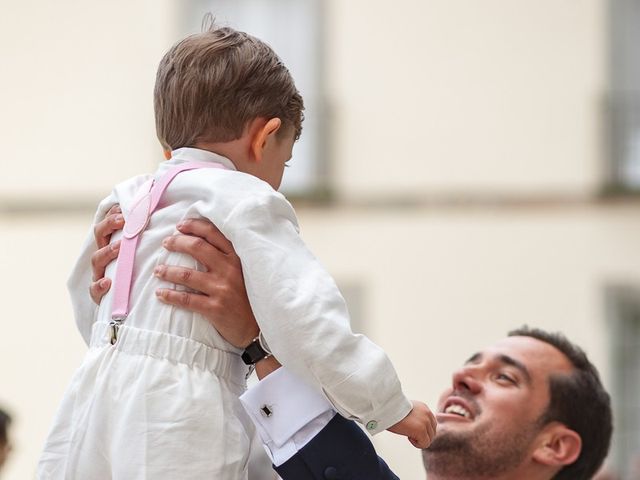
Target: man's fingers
{"points": [[192, 301], [98, 289], [103, 257], [103, 230], [207, 230], [115, 209], [196, 247], [186, 277]]}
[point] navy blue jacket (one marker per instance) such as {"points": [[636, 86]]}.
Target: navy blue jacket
{"points": [[341, 451]]}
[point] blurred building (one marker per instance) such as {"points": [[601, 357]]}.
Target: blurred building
{"points": [[466, 167]]}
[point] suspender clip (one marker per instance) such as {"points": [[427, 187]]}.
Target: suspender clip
{"points": [[114, 326]]}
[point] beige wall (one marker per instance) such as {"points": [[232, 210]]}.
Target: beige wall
{"points": [[428, 98], [450, 97], [76, 94]]}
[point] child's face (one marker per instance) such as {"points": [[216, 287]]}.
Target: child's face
{"points": [[277, 152]]}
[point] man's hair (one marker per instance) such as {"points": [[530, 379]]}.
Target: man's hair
{"points": [[5, 423], [209, 86], [579, 401]]}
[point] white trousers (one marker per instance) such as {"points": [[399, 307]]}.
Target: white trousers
{"points": [[152, 406]]}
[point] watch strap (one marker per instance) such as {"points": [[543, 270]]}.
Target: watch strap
{"points": [[254, 352]]}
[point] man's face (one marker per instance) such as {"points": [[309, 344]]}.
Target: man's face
{"points": [[489, 418]]}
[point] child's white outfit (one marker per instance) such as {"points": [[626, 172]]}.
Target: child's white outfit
{"points": [[162, 401]]}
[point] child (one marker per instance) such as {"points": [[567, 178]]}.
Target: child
{"points": [[156, 395]]}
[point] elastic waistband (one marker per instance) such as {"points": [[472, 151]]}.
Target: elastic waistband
{"points": [[136, 341]]}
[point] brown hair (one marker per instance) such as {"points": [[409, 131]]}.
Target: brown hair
{"points": [[5, 423], [210, 85], [579, 401]]}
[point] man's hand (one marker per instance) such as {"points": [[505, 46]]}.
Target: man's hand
{"points": [[419, 426], [106, 252], [222, 297]]}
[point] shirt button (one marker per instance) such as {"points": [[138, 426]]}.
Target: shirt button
{"points": [[372, 425], [330, 473]]}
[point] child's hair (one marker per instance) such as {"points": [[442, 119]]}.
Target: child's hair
{"points": [[210, 85]]}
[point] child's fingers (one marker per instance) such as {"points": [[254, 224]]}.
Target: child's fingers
{"points": [[432, 425], [422, 442], [431, 431]]}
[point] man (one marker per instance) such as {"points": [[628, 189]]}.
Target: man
{"points": [[529, 407], [5, 443]]}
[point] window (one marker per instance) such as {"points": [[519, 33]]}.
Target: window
{"points": [[294, 29], [625, 96], [623, 308]]}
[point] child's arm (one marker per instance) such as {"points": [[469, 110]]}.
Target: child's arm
{"points": [[304, 317]]}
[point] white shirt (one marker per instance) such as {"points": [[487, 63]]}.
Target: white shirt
{"points": [[287, 413], [296, 302]]}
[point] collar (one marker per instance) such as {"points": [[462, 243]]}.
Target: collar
{"points": [[188, 154]]}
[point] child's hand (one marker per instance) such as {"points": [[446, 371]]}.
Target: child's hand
{"points": [[419, 426]]}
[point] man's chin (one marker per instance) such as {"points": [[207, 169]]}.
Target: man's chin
{"points": [[450, 438]]}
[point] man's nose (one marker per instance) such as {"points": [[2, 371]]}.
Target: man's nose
{"points": [[467, 378]]}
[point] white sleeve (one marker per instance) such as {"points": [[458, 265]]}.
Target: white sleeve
{"points": [[84, 310], [287, 413], [304, 317]]}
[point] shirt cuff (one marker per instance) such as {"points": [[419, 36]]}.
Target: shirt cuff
{"points": [[287, 413]]}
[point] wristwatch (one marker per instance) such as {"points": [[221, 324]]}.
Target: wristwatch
{"points": [[256, 351]]}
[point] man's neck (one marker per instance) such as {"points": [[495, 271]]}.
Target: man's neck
{"points": [[528, 471]]}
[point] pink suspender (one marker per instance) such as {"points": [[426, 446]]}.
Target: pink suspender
{"points": [[147, 201]]}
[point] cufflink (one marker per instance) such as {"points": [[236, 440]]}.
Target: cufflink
{"points": [[372, 425], [266, 411]]}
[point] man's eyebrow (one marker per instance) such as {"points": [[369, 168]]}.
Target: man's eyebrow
{"points": [[475, 358], [505, 359]]}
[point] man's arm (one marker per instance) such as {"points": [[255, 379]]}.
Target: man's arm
{"points": [[304, 436], [340, 451], [316, 448]]}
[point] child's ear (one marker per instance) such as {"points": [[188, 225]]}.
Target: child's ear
{"points": [[263, 133], [167, 154], [558, 446]]}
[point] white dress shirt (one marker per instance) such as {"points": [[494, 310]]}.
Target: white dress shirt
{"points": [[287, 413]]}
